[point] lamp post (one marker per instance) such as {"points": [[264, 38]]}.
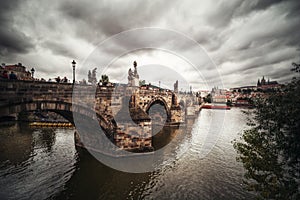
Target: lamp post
{"points": [[73, 65], [32, 71]]}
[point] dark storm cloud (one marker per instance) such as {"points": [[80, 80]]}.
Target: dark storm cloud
{"points": [[242, 37], [285, 34], [58, 48], [294, 16], [110, 17], [283, 75], [246, 7], [224, 12], [12, 39], [268, 37], [265, 4]]}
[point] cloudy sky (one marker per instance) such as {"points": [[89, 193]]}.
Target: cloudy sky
{"points": [[225, 43]]}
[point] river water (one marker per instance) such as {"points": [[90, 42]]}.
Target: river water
{"points": [[43, 163]]}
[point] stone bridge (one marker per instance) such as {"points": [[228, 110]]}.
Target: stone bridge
{"points": [[121, 111]]}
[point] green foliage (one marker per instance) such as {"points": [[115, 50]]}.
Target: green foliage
{"points": [[270, 149], [142, 82], [104, 79], [296, 67], [247, 91], [229, 103], [207, 99]]}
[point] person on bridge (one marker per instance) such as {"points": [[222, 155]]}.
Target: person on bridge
{"points": [[65, 80], [58, 79], [4, 75], [13, 76]]}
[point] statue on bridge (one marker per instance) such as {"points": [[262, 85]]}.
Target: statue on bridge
{"points": [[130, 75], [135, 70], [133, 76], [176, 87]]}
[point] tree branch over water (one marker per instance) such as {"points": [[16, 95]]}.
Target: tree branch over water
{"points": [[269, 150]]}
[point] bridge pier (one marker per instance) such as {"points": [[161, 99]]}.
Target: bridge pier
{"points": [[134, 138]]}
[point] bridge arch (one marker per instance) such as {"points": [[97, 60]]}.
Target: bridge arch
{"points": [[161, 101], [17, 107], [65, 109]]}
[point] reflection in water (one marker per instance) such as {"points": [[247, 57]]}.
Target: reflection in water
{"points": [[164, 136], [93, 180], [15, 144], [44, 138], [46, 164], [214, 176]]}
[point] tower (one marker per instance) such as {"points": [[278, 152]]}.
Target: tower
{"points": [[263, 81]]}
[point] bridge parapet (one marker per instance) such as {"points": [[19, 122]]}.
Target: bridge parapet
{"points": [[12, 92]]}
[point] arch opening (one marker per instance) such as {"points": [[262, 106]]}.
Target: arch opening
{"points": [[158, 113]]}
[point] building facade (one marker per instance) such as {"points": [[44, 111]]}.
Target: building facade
{"points": [[18, 70]]}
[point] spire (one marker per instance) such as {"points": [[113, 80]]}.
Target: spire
{"points": [[263, 81]]}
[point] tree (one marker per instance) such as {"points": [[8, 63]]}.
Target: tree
{"points": [[104, 79], [296, 67], [229, 103], [269, 150], [208, 98], [142, 82]]}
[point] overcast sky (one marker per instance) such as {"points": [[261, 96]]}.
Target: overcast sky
{"points": [[241, 40]]}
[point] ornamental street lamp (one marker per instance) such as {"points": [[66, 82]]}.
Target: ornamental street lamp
{"points": [[32, 71], [73, 65]]}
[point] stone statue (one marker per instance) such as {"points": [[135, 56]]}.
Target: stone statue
{"points": [[130, 74], [135, 73], [176, 87], [133, 76]]}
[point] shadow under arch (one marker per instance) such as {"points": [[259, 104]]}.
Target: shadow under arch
{"points": [[64, 109], [160, 101]]}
